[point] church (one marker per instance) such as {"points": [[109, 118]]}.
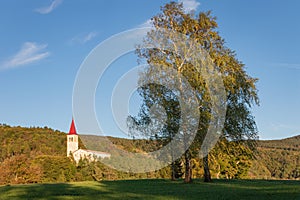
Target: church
{"points": [[73, 148]]}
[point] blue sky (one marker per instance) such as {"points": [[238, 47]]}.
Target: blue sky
{"points": [[43, 44]]}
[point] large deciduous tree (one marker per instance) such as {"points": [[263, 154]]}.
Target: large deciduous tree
{"points": [[170, 52]]}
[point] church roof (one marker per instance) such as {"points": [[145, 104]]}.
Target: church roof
{"points": [[92, 152], [72, 130]]}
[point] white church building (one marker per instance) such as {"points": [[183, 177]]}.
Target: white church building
{"points": [[73, 148]]}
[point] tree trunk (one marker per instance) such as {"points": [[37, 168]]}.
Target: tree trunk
{"points": [[188, 168], [173, 171], [207, 177]]}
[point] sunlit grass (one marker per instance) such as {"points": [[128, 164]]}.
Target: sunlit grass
{"points": [[156, 189]]}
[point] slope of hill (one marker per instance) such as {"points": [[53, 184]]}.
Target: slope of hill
{"points": [[273, 159], [38, 155], [30, 155], [277, 159], [292, 143]]}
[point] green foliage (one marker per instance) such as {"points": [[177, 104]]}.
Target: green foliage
{"points": [[34, 155], [177, 166], [20, 146], [56, 168], [231, 160], [19, 169], [15, 141]]}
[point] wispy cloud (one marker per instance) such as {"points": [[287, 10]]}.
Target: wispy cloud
{"points": [[30, 52], [84, 38], [141, 29], [89, 37], [189, 5], [287, 65], [50, 8], [147, 23], [279, 127]]}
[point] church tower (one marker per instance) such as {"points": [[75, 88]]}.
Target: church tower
{"points": [[72, 139]]}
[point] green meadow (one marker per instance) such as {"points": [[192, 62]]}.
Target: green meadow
{"points": [[157, 189]]}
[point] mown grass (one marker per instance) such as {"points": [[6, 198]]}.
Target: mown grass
{"points": [[157, 189]]}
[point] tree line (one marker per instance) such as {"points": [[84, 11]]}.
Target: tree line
{"points": [[38, 155]]}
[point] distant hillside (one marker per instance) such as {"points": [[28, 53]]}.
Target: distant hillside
{"points": [[31, 155], [292, 143], [30, 141], [273, 159], [138, 145], [38, 155], [277, 159]]}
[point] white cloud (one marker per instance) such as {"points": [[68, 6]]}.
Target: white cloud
{"points": [[287, 65], [141, 29], [147, 23], [189, 5], [29, 53], [50, 8], [89, 37], [279, 127], [84, 38]]}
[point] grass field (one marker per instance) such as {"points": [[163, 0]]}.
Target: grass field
{"points": [[157, 189]]}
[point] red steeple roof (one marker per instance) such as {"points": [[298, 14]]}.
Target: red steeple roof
{"points": [[72, 130]]}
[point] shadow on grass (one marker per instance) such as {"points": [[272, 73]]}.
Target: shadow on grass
{"points": [[157, 189], [84, 190]]}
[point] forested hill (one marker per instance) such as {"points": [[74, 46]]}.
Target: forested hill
{"points": [[273, 159], [30, 155], [30, 141], [292, 143], [277, 159]]}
